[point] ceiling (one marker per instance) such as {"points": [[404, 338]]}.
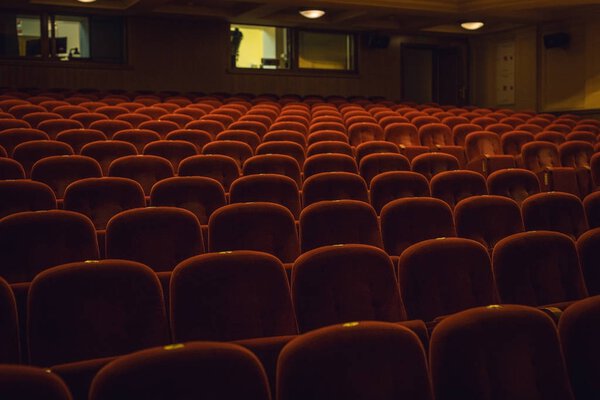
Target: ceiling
{"points": [[381, 15]]}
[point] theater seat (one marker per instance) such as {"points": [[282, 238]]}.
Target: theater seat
{"points": [[338, 222], [159, 237], [24, 382], [386, 361], [273, 164], [334, 186], [503, 352], [88, 310], [588, 248], [538, 268], [487, 219], [271, 188], [182, 371], [10, 348], [454, 186], [107, 151], [517, 184], [258, 226], [261, 306], [29, 153], [25, 195], [555, 211], [221, 168], [145, 169], [392, 185], [579, 329], [59, 171], [340, 283], [445, 275]]}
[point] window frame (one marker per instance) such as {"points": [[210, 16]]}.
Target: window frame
{"points": [[48, 42], [293, 54]]}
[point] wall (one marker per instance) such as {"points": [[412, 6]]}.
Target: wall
{"points": [[193, 55], [484, 50], [545, 79], [571, 77]]}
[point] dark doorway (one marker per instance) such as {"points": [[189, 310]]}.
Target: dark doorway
{"points": [[434, 74]]}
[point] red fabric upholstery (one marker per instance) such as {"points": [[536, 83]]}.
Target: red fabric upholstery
{"points": [[501, 352], [137, 137], [512, 142], [329, 163], [24, 195], [454, 186], [239, 151], [146, 170], [288, 148], [10, 138], [261, 307], [338, 222], [29, 153], [77, 138], [329, 146], [200, 195], [29, 383], [374, 164], [159, 237], [335, 284], [221, 168], [195, 370], [327, 135], [58, 172], [387, 361], [273, 164], [517, 184], [102, 198], [360, 132], [10, 352], [334, 186], [54, 126], [460, 132], [487, 219], [108, 151], [538, 268], [86, 118], [119, 309], [430, 164], [591, 204], [588, 248], [272, 188], [33, 241], [285, 135], [443, 276], [10, 169], [579, 329], [375, 146], [163, 128], [249, 137], [410, 220], [388, 186], [555, 211], [259, 226], [196, 137], [172, 150]]}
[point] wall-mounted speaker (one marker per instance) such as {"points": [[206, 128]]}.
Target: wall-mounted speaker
{"points": [[554, 40], [377, 41]]}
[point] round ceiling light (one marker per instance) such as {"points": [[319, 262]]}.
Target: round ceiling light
{"points": [[86, 1], [312, 14], [472, 26]]}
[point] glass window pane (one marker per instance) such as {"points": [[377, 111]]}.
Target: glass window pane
{"points": [[20, 35], [317, 50], [72, 37], [263, 47]]}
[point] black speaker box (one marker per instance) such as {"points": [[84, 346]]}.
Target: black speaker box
{"points": [[375, 41], [555, 40]]}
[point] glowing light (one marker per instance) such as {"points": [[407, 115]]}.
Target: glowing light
{"points": [[86, 1], [472, 26], [312, 14]]}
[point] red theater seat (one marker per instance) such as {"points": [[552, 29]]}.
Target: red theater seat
{"points": [[334, 186], [316, 365], [105, 152], [10, 349], [59, 171], [258, 226], [352, 282], [33, 241], [443, 276], [555, 211], [261, 306], [392, 185], [178, 372], [588, 248], [498, 339], [25, 195], [538, 268], [517, 184], [288, 148], [29, 153], [174, 151], [77, 138], [10, 138], [159, 237], [271, 188], [374, 164], [454, 186], [339, 222], [146, 170], [23, 382], [221, 168], [273, 164], [137, 137]]}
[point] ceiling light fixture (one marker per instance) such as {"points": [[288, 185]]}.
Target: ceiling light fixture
{"points": [[86, 1], [472, 26], [312, 14]]}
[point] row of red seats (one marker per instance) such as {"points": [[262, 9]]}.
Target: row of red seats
{"points": [[316, 365], [119, 304]]}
